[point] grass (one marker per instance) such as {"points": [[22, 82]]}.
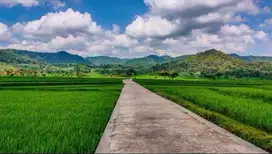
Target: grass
{"points": [[55, 118], [4, 66], [34, 81], [246, 92], [246, 111]]}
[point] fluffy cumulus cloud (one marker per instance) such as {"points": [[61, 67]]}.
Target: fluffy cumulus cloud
{"points": [[25, 3], [267, 23], [31, 3], [5, 35], [172, 27], [62, 24], [186, 27], [179, 17]]}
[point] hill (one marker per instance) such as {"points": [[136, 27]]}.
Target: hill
{"points": [[11, 57], [148, 61], [58, 57], [213, 63], [105, 60], [208, 61], [144, 61], [253, 58], [212, 60]]}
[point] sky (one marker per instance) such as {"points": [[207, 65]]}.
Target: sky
{"points": [[136, 28]]}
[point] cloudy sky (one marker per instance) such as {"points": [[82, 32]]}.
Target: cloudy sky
{"points": [[133, 28]]}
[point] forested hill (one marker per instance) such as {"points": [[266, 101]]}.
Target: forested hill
{"points": [[253, 58], [58, 57], [144, 61], [105, 60], [28, 57], [210, 59], [11, 57], [217, 63], [148, 61]]}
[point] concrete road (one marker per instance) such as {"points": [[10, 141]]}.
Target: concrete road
{"points": [[143, 122]]}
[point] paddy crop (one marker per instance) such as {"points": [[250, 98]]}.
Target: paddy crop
{"points": [[63, 117]]}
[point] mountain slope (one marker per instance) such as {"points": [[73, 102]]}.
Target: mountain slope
{"points": [[208, 61], [11, 57], [105, 60], [58, 57], [253, 58], [149, 60], [144, 61]]}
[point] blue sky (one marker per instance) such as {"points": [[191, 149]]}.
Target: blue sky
{"points": [[133, 28], [105, 12]]}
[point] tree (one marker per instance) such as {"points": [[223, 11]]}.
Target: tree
{"points": [[174, 75]]}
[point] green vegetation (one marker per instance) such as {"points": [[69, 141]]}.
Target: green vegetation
{"points": [[55, 114], [105, 60], [209, 64], [253, 58], [29, 57], [242, 107], [215, 64]]}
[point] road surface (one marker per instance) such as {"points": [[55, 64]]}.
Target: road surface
{"points": [[144, 122]]}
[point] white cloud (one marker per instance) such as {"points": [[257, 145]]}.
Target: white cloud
{"points": [[62, 24], [3, 28], [236, 30], [55, 4], [68, 43], [267, 9], [267, 23], [25, 3], [231, 38], [261, 35], [5, 35], [172, 27], [123, 41], [150, 27], [179, 17]]}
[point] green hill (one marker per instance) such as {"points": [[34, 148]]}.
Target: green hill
{"points": [[10, 56], [144, 61], [253, 58], [217, 63], [210, 61], [4, 66], [105, 60], [148, 61], [58, 57]]}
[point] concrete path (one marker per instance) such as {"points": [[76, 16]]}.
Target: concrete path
{"points": [[143, 122]]}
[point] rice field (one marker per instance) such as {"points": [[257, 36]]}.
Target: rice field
{"points": [[55, 114], [244, 108]]}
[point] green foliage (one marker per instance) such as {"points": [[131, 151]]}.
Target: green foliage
{"points": [[211, 64], [28, 57], [105, 60], [11, 57], [246, 92], [241, 107], [253, 58], [145, 61], [59, 118], [148, 61], [214, 64]]}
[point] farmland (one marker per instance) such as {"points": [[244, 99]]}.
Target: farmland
{"points": [[243, 107], [55, 114]]}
